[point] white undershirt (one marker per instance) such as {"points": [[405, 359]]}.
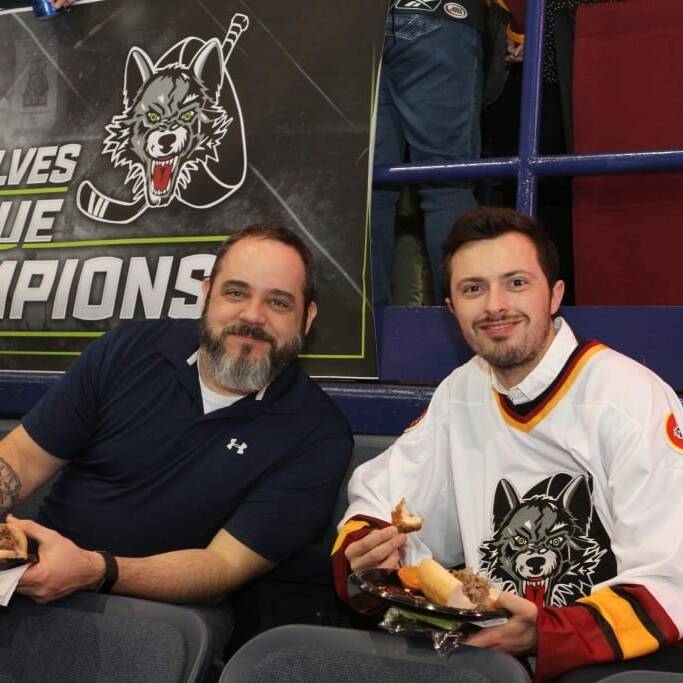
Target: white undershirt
{"points": [[212, 400]]}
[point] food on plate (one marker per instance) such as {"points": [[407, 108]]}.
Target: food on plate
{"points": [[461, 589], [409, 578], [404, 520], [13, 543], [401, 615], [477, 588]]}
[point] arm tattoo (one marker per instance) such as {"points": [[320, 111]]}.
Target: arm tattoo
{"points": [[10, 485]]}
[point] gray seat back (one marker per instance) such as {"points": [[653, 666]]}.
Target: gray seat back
{"points": [[92, 637], [644, 677], [298, 653]]}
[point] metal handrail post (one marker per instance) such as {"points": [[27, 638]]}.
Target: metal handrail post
{"points": [[530, 119]]}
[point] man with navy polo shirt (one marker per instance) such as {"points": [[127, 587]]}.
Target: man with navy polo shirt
{"points": [[189, 465]]}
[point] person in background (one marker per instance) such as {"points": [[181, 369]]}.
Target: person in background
{"points": [[428, 111]]}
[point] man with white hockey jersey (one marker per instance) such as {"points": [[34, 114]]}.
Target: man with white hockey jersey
{"points": [[554, 466]]}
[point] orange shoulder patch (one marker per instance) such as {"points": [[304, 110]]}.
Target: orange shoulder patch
{"points": [[674, 434]]}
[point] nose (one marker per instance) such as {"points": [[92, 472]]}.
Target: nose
{"points": [[535, 564], [497, 300], [252, 312], [166, 141]]}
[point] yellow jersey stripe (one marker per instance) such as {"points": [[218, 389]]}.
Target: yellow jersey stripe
{"points": [[633, 638], [348, 528]]}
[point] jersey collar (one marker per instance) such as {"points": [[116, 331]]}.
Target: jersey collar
{"points": [[544, 374]]}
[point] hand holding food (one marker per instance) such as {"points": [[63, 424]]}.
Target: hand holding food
{"points": [[380, 548]]}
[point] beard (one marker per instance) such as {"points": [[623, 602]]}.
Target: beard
{"points": [[241, 373], [507, 358], [503, 355]]}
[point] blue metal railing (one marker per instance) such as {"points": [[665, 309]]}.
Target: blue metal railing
{"points": [[529, 166]]}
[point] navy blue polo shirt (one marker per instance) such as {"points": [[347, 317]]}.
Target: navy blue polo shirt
{"points": [[148, 472]]}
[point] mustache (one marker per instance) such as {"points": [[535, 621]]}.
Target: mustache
{"points": [[499, 319], [250, 331]]}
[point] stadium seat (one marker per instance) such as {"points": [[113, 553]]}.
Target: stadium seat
{"points": [[644, 677], [301, 653], [93, 637]]}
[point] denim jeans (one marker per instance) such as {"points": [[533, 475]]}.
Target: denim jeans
{"points": [[429, 103]]}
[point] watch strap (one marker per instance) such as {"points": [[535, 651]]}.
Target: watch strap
{"points": [[111, 572]]}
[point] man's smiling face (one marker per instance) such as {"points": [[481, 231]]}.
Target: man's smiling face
{"points": [[253, 321], [503, 303]]}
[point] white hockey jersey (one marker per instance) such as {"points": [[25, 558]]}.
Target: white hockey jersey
{"points": [[555, 499]]}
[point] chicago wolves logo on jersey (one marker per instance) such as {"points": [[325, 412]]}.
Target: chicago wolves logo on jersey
{"points": [[549, 545], [180, 134]]}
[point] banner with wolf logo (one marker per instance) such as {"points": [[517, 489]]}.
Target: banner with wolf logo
{"points": [[136, 136]]}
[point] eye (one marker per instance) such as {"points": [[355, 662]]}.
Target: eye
{"points": [[234, 293], [153, 117], [520, 540], [187, 116], [557, 541], [471, 290], [518, 282], [281, 304]]}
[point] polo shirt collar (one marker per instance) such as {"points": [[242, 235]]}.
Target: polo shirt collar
{"points": [[285, 394], [544, 374]]}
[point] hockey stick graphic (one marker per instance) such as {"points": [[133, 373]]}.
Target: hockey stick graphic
{"points": [[99, 207], [238, 25]]}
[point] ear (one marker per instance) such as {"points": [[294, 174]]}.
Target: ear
{"points": [[207, 66], [139, 69], [505, 501], [449, 303], [576, 500], [556, 296], [206, 286], [311, 313]]}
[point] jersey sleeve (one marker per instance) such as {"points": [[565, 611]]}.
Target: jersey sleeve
{"points": [[640, 609], [410, 468], [351, 530], [516, 10], [294, 502], [64, 420]]}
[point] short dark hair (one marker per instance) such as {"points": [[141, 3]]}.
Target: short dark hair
{"points": [[489, 222], [268, 231]]}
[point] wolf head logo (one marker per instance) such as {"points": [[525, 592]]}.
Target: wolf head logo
{"points": [[540, 548], [173, 123], [169, 133]]}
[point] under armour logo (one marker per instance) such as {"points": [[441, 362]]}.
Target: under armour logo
{"points": [[241, 447]]}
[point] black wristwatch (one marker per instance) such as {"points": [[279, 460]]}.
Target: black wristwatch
{"points": [[111, 572]]}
